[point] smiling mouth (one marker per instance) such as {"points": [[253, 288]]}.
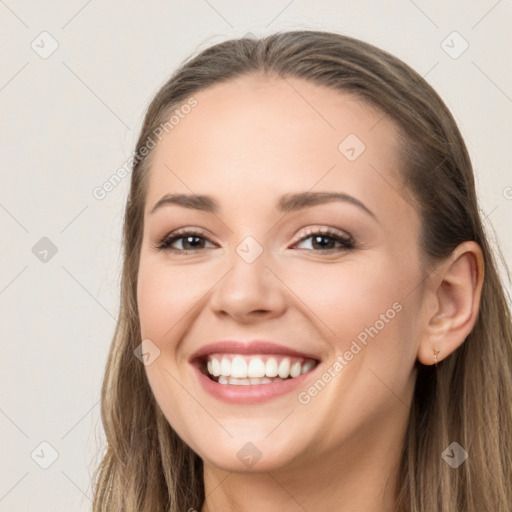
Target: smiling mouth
{"points": [[250, 370]]}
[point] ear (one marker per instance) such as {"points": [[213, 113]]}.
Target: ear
{"points": [[453, 298]]}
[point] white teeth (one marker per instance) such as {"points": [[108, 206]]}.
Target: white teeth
{"points": [[247, 382], [271, 367], [215, 367], [308, 365], [225, 367], [256, 368], [244, 370], [284, 368], [238, 382], [295, 369], [238, 367]]}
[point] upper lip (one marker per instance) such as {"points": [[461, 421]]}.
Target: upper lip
{"points": [[250, 347]]}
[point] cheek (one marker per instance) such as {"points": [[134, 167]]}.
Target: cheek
{"points": [[164, 295], [366, 312], [348, 297]]}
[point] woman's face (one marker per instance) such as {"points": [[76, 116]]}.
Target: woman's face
{"points": [[276, 280]]}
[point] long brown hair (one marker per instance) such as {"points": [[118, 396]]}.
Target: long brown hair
{"points": [[467, 398]]}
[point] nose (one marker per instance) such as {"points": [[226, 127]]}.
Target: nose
{"points": [[249, 291]]}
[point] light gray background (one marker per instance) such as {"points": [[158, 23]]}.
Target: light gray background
{"points": [[70, 120]]}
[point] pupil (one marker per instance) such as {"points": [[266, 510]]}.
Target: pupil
{"points": [[322, 246], [196, 238]]}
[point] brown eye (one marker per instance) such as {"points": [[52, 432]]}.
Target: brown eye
{"points": [[326, 240], [190, 241]]}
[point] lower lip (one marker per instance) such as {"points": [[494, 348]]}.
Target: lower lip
{"points": [[252, 393]]}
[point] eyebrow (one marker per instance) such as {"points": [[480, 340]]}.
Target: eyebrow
{"points": [[286, 203]]}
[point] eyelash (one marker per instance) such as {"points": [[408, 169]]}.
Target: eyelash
{"points": [[347, 242]]}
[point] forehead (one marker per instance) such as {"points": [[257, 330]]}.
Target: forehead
{"points": [[257, 135]]}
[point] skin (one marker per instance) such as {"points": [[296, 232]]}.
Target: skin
{"points": [[247, 143]]}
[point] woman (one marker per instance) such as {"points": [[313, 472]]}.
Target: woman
{"points": [[311, 315]]}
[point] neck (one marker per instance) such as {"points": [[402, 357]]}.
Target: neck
{"points": [[361, 474]]}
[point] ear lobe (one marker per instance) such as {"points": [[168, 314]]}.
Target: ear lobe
{"points": [[455, 291]]}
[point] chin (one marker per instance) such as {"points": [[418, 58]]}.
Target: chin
{"points": [[250, 454]]}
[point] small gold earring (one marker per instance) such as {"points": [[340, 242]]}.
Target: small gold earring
{"points": [[436, 353]]}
